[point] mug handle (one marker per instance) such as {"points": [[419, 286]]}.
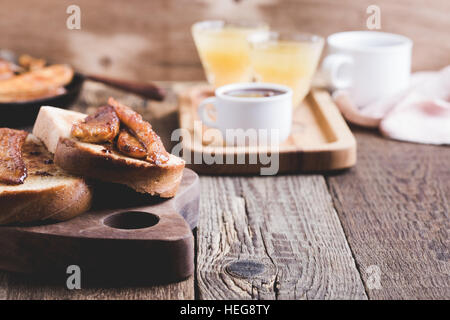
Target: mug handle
{"points": [[331, 66], [204, 115]]}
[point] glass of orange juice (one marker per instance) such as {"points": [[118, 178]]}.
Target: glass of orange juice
{"points": [[286, 58], [224, 50]]}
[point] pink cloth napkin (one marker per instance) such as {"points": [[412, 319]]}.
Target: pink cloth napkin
{"points": [[419, 114]]}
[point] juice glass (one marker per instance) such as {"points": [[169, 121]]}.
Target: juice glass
{"points": [[224, 50], [290, 59]]}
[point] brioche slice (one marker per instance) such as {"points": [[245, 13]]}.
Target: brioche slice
{"points": [[48, 192], [53, 127]]}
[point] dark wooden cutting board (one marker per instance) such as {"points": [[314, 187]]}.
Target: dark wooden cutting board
{"points": [[125, 238]]}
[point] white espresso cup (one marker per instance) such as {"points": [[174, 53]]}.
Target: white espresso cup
{"points": [[370, 65], [250, 119]]}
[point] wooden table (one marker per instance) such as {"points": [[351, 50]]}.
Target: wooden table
{"points": [[377, 231]]}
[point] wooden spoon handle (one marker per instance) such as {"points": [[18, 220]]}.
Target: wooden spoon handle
{"points": [[146, 90]]}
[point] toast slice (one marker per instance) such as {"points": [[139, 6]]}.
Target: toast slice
{"points": [[53, 127], [48, 192]]}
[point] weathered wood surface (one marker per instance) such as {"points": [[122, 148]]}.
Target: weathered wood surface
{"points": [[151, 40], [394, 207], [272, 238]]}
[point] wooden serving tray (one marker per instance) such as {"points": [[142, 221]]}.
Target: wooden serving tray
{"points": [[127, 237], [320, 138]]}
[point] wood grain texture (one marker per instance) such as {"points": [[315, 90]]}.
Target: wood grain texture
{"points": [[272, 238], [394, 207], [128, 39], [320, 140]]}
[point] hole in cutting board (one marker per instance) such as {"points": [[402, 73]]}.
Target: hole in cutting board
{"points": [[131, 220]]}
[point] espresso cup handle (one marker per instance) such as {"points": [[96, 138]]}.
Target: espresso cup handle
{"points": [[204, 115], [332, 68]]}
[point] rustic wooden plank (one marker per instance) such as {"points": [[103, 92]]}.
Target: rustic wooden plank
{"points": [[272, 238], [394, 207], [19, 287], [141, 44]]}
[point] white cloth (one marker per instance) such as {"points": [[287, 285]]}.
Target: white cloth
{"points": [[419, 114]]}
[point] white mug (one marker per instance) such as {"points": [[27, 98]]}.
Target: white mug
{"points": [[370, 65], [269, 117]]}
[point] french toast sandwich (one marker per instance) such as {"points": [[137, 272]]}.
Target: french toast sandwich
{"points": [[32, 187], [113, 145]]}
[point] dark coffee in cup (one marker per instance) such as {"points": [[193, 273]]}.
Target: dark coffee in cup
{"points": [[254, 93]]}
